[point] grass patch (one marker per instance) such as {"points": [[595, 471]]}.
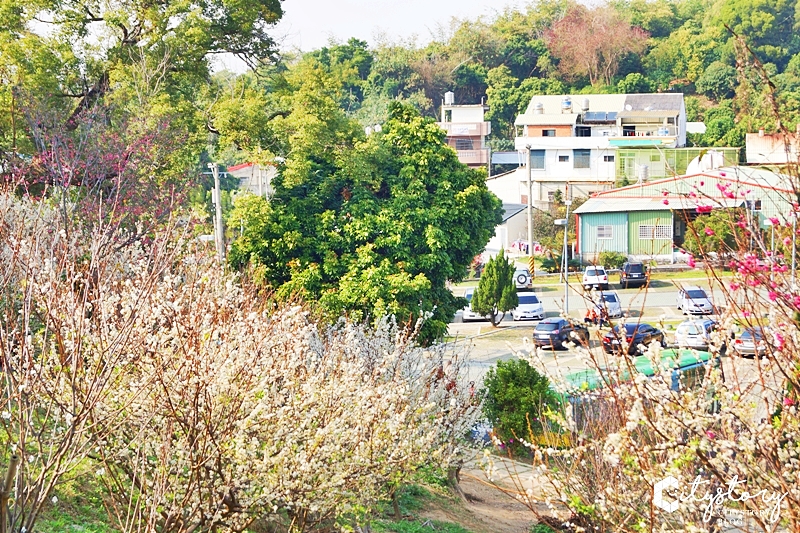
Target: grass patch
{"points": [[79, 508], [416, 526]]}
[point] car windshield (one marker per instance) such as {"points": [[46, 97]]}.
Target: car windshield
{"points": [[696, 294], [750, 333], [528, 299], [635, 269], [691, 328], [628, 329], [547, 326], [468, 296], [610, 298]]}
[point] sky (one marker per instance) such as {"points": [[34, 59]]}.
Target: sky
{"points": [[311, 24]]}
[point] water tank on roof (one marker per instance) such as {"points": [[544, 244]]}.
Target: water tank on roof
{"points": [[644, 173], [538, 109], [585, 105], [566, 105], [449, 98]]}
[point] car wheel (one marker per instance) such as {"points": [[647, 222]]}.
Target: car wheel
{"points": [[663, 342]]}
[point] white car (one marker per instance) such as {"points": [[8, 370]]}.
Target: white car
{"points": [[467, 313], [609, 305], [530, 307], [522, 279], [694, 301], [595, 276]]}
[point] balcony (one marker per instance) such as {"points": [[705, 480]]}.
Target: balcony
{"points": [[466, 129], [473, 157]]}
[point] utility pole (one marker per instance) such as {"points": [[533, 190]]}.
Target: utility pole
{"points": [[530, 201], [216, 197]]}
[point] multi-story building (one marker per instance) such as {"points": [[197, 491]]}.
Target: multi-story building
{"points": [[591, 142], [466, 130]]}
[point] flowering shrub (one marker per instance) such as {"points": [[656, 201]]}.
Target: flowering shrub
{"points": [[197, 404]]}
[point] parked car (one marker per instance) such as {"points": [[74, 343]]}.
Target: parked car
{"points": [[522, 279], [751, 342], [530, 307], [695, 333], [467, 314], [694, 301], [633, 274], [557, 332], [595, 277], [609, 305], [635, 334]]}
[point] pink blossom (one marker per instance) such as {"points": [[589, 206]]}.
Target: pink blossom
{"points": [[709, 232], [702, 183], [704, 208], [772, 295], [734, 286], [690, 261], [774, 221], [746, 314], [722, 174], [788, 402], [729, 194], [710, 434], [787, 241], [664, 193], [665, 201], [779, 341]]}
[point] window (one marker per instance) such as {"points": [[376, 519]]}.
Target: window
{"points": [[604, 232], [608, 158], [583, 131], [448, 115], [563, 159], [463, 144], [754, 205], [537, 159], [582, 158], [548, 133], [551, 196], [659, 232], [655, 157], [671, 120]]}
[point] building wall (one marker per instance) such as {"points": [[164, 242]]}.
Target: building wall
{"points": [[561, 131], [590, 246], [649, 247], [467, 113]]}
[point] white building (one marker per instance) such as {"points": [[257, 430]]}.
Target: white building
{"points": [[584, 140], [466, 130]]}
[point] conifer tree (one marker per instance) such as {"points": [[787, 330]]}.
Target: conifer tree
{"points": [[496, 292]]}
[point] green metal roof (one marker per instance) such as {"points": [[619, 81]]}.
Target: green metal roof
{"points": [[639, 141]]}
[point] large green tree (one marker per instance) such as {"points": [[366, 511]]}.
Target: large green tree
{"points": [[368, 226]]}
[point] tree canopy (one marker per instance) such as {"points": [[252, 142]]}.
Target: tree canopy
{"points": [[375, 226]]}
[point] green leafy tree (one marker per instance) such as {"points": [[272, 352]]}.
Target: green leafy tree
{"points": [[497, 291], [514, 394], [718, 81], [715, 232], [368, 227], [634, 83]]}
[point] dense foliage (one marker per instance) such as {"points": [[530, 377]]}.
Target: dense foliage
{"points": [[497, 291], [514, 397], [376, 226]]}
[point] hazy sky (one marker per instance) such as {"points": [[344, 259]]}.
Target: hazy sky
{"points": [[309, 24]]}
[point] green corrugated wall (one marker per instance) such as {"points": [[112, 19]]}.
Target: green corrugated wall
{"points": [[648, 246]]}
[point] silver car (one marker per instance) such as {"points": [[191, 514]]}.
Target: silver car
{"points": [[609, 305], [467, 313], [694, 301], [694, 333]]}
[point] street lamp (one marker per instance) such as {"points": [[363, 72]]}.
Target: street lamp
{"points": [[218, 230], [564, 262], [768, 222]]}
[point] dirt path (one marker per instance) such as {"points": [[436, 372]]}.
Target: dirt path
{"points": [[487, 509]]}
